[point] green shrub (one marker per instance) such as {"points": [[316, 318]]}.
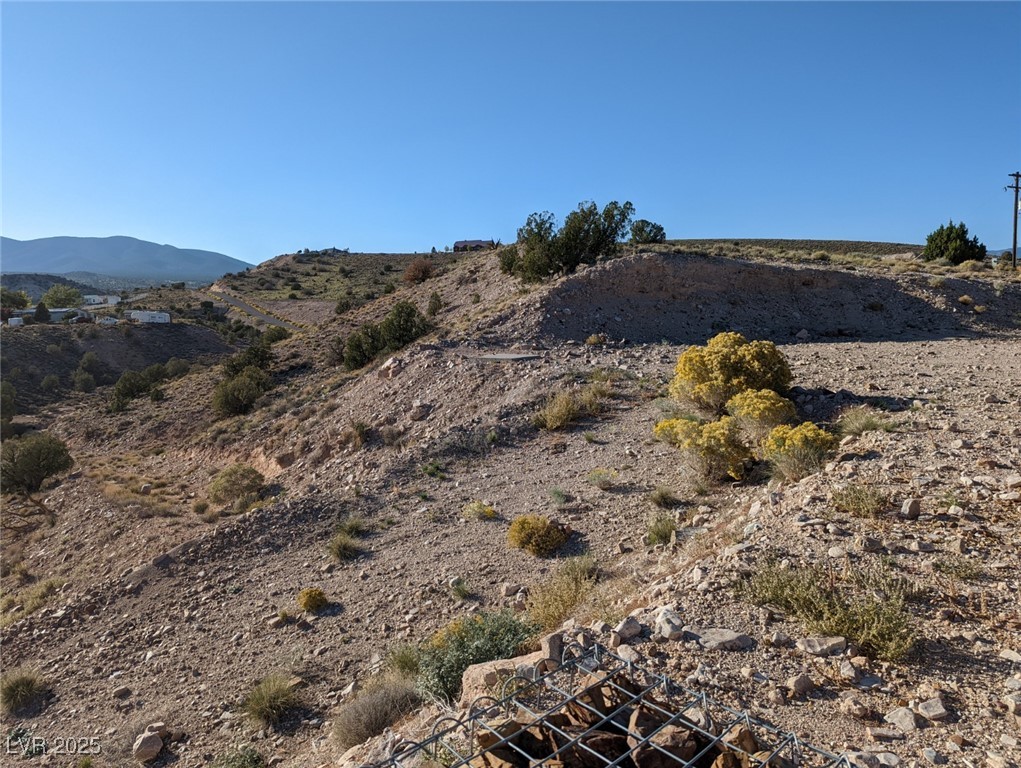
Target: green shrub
{"points": [[27, 462], [270, 700], [536, 534], [553, 600], [50, 383], [664, 498], [860, 500], [712, 449], [560, 410], [242, 757], [859, 419], [354, 525], [603, 479], [83, 381], [403, 660], [235, 482], [757, 411], [401, 326], [729, 364], [20, 689], [478, 510], [312, 600], [176, 368], [435, 305], [344, 546], [796, 452], [466, 641], [881, 627], [257, 356], [951, 242], [130, 385], [374, 710], [238, 395], [661, 529], [275, 333]]}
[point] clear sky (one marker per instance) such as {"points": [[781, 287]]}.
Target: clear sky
{"points": [[255, 129]]}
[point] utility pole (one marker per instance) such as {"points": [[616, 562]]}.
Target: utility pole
{"points": [[1017, 211]]}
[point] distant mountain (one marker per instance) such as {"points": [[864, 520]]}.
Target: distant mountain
{"points": [[123, 257]]}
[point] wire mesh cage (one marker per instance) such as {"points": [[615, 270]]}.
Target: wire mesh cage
{"points": [[596, 710]]}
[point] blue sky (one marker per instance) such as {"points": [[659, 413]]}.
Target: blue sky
{"points": [[255, 129]]}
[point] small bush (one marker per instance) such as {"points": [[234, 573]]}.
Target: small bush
{"points": [[536, 534], [238, 394], [275, 333], [729, 364], [559, 496], [242, 757], [434, 306], [466, 641], [200, 507], [374, 710], [560, 410], [270, 700], [758, 411], [603, 479], [20, 689], [478, 510], [860, 500], [354, 525], [312, 600], [859, 419], [176, 367], [355, 435], [50, 383], [796, 452], [344, 546], [712, 449], [554, 600], [596, 339], [403, 660], [664, 498], [460, 589], [418, 271], [83, 381], [661, 529], [880, 627], [235, 482]]}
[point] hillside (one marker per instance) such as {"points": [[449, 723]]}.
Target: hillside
{"points": [[171, 607], [35, 285], [121, 257]]}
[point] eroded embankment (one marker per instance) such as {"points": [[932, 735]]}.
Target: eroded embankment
{"points": [[685, 298]]}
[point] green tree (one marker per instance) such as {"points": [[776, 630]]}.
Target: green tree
{"points": [[25, 464], [951, 242], [8, 398], [13, 299], [238, 394], [62, 296], [644, 231], [42, 313]]}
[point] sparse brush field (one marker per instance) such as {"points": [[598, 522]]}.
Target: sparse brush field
{"points": [[283, 582]]}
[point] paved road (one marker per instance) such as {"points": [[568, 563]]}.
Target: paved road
{"points": [[268, 319]]}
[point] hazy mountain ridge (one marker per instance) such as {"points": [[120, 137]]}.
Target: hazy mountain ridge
{"points": [[119, 256]]}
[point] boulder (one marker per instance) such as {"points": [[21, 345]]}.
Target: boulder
{"points": [[147, 746]]}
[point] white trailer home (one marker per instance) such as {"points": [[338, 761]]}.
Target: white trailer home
{"points": [[145, 316]]}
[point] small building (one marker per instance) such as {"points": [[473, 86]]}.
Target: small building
{"points": [[145, 316], [108, 300], [473, 245], [14, 322]]}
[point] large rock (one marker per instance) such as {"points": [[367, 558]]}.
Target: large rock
{"points": [[629, 628], [822, 646], [719, 639], [487, 678], [147, 746], [669, 624]]}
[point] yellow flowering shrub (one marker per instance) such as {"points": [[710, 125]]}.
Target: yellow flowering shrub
{"points": [[758, 411], [536, 534], [714, 448], [312, 600], [728, 364], [796, 452]]}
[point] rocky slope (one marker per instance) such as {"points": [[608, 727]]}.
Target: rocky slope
{"points": [[167, 614]]}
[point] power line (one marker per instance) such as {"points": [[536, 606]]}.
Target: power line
{"points": [[1016, 186]]}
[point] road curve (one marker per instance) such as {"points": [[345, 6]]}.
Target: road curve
{"points": [[245, 307]]}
